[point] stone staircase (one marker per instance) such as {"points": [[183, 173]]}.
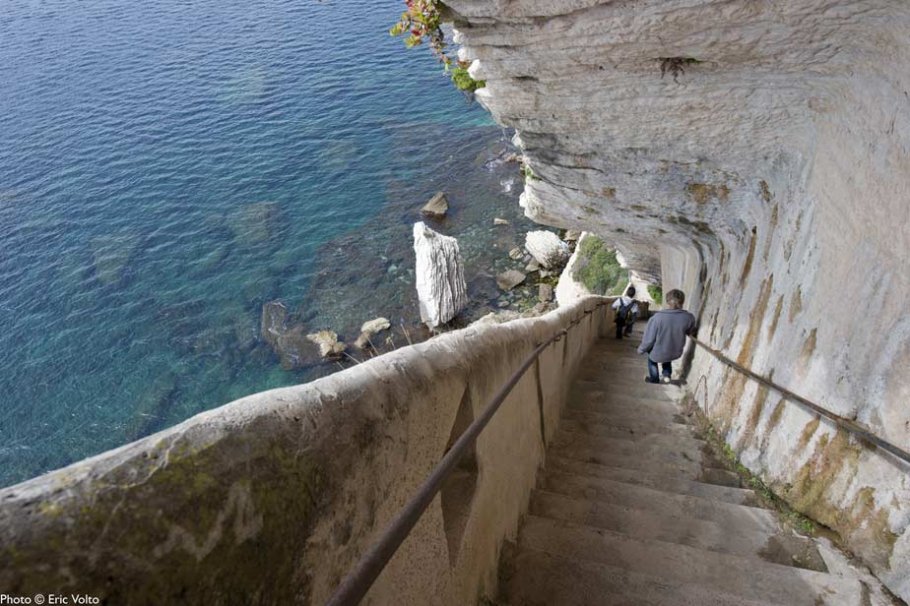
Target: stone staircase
{"points": [[633, 508]]}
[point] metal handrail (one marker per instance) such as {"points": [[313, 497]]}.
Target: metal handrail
{"points": [[354, 586], [842, 422]]}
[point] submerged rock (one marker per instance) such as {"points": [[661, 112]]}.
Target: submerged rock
{"points": [[508, 280], [369, 329], [547, 248], [294, 348], [111, 255], [255, 223], [482, 287], [152, 407], [515, 254], [274, 321], [437, 207], [329, 345], [290, 344], [441, 287], [532, 266], [498, 221], [545, 293]]}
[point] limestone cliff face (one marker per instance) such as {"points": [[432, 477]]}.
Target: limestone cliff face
{"points": [[770, 180]]}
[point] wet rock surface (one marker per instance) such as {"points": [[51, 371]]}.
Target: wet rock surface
{"points": [[437, 207], [508, 280]]}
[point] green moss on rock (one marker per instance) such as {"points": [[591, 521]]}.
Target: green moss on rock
{"points": [[193, 525]]}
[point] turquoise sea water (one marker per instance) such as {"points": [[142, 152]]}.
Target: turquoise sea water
{"points": [[168, 166]]}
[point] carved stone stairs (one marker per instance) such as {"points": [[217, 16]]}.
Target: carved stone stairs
{"points": [[634, 509]]}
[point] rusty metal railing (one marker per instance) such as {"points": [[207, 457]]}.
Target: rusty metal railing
{"points": [[361, 578], [844, 423]]}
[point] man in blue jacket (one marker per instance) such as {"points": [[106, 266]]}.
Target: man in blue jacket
{"points": [[665, 336]]}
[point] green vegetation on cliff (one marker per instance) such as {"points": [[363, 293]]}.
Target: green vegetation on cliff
{"points": [[598, 269], [422, 22], [657, 294]]}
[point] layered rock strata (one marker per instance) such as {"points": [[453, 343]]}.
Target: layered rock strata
{"points": [[757, 155], [441, 288]]}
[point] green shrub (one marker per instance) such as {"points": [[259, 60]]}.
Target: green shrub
{"points": [[656, 293], [463, 80], [422, 22], [598, 269]]}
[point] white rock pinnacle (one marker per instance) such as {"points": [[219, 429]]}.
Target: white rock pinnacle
{"points": [[441, 288]]}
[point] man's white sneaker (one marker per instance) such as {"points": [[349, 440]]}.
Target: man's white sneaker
{"points": [[665, 380]]}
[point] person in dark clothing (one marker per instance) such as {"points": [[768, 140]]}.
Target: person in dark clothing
{"points": [[626, 313], [665, 337]]}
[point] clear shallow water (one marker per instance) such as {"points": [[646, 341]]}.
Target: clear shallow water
{"points": [[166, 167]]}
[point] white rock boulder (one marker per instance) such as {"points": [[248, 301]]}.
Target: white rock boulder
{"points": [[546, 248], [441, 288], [329, 345], [369, 329]]}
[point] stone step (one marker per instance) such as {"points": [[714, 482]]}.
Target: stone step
{"points": [[679, 452], [660, 502], [632, 380], [596, 433], [753, 539], [688, 447], [537, 578], [631, 391], [635, 431], [691, 445], [729, 573], [557, 468], [633, 386], [614, 360], [644, 415], [664, 464], [620, 400], [709, 475], [613, 364], [678, 424]]}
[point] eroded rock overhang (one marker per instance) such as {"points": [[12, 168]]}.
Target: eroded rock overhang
{"points": [[766, 171]]}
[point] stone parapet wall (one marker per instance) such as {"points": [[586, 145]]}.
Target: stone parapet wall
{"points": [[271, 499]]}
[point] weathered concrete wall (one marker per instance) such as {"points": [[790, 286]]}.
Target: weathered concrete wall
{"points": [[769, 180], [271, 498]]}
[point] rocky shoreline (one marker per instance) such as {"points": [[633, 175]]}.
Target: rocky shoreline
{"points": [[516, 275]]}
